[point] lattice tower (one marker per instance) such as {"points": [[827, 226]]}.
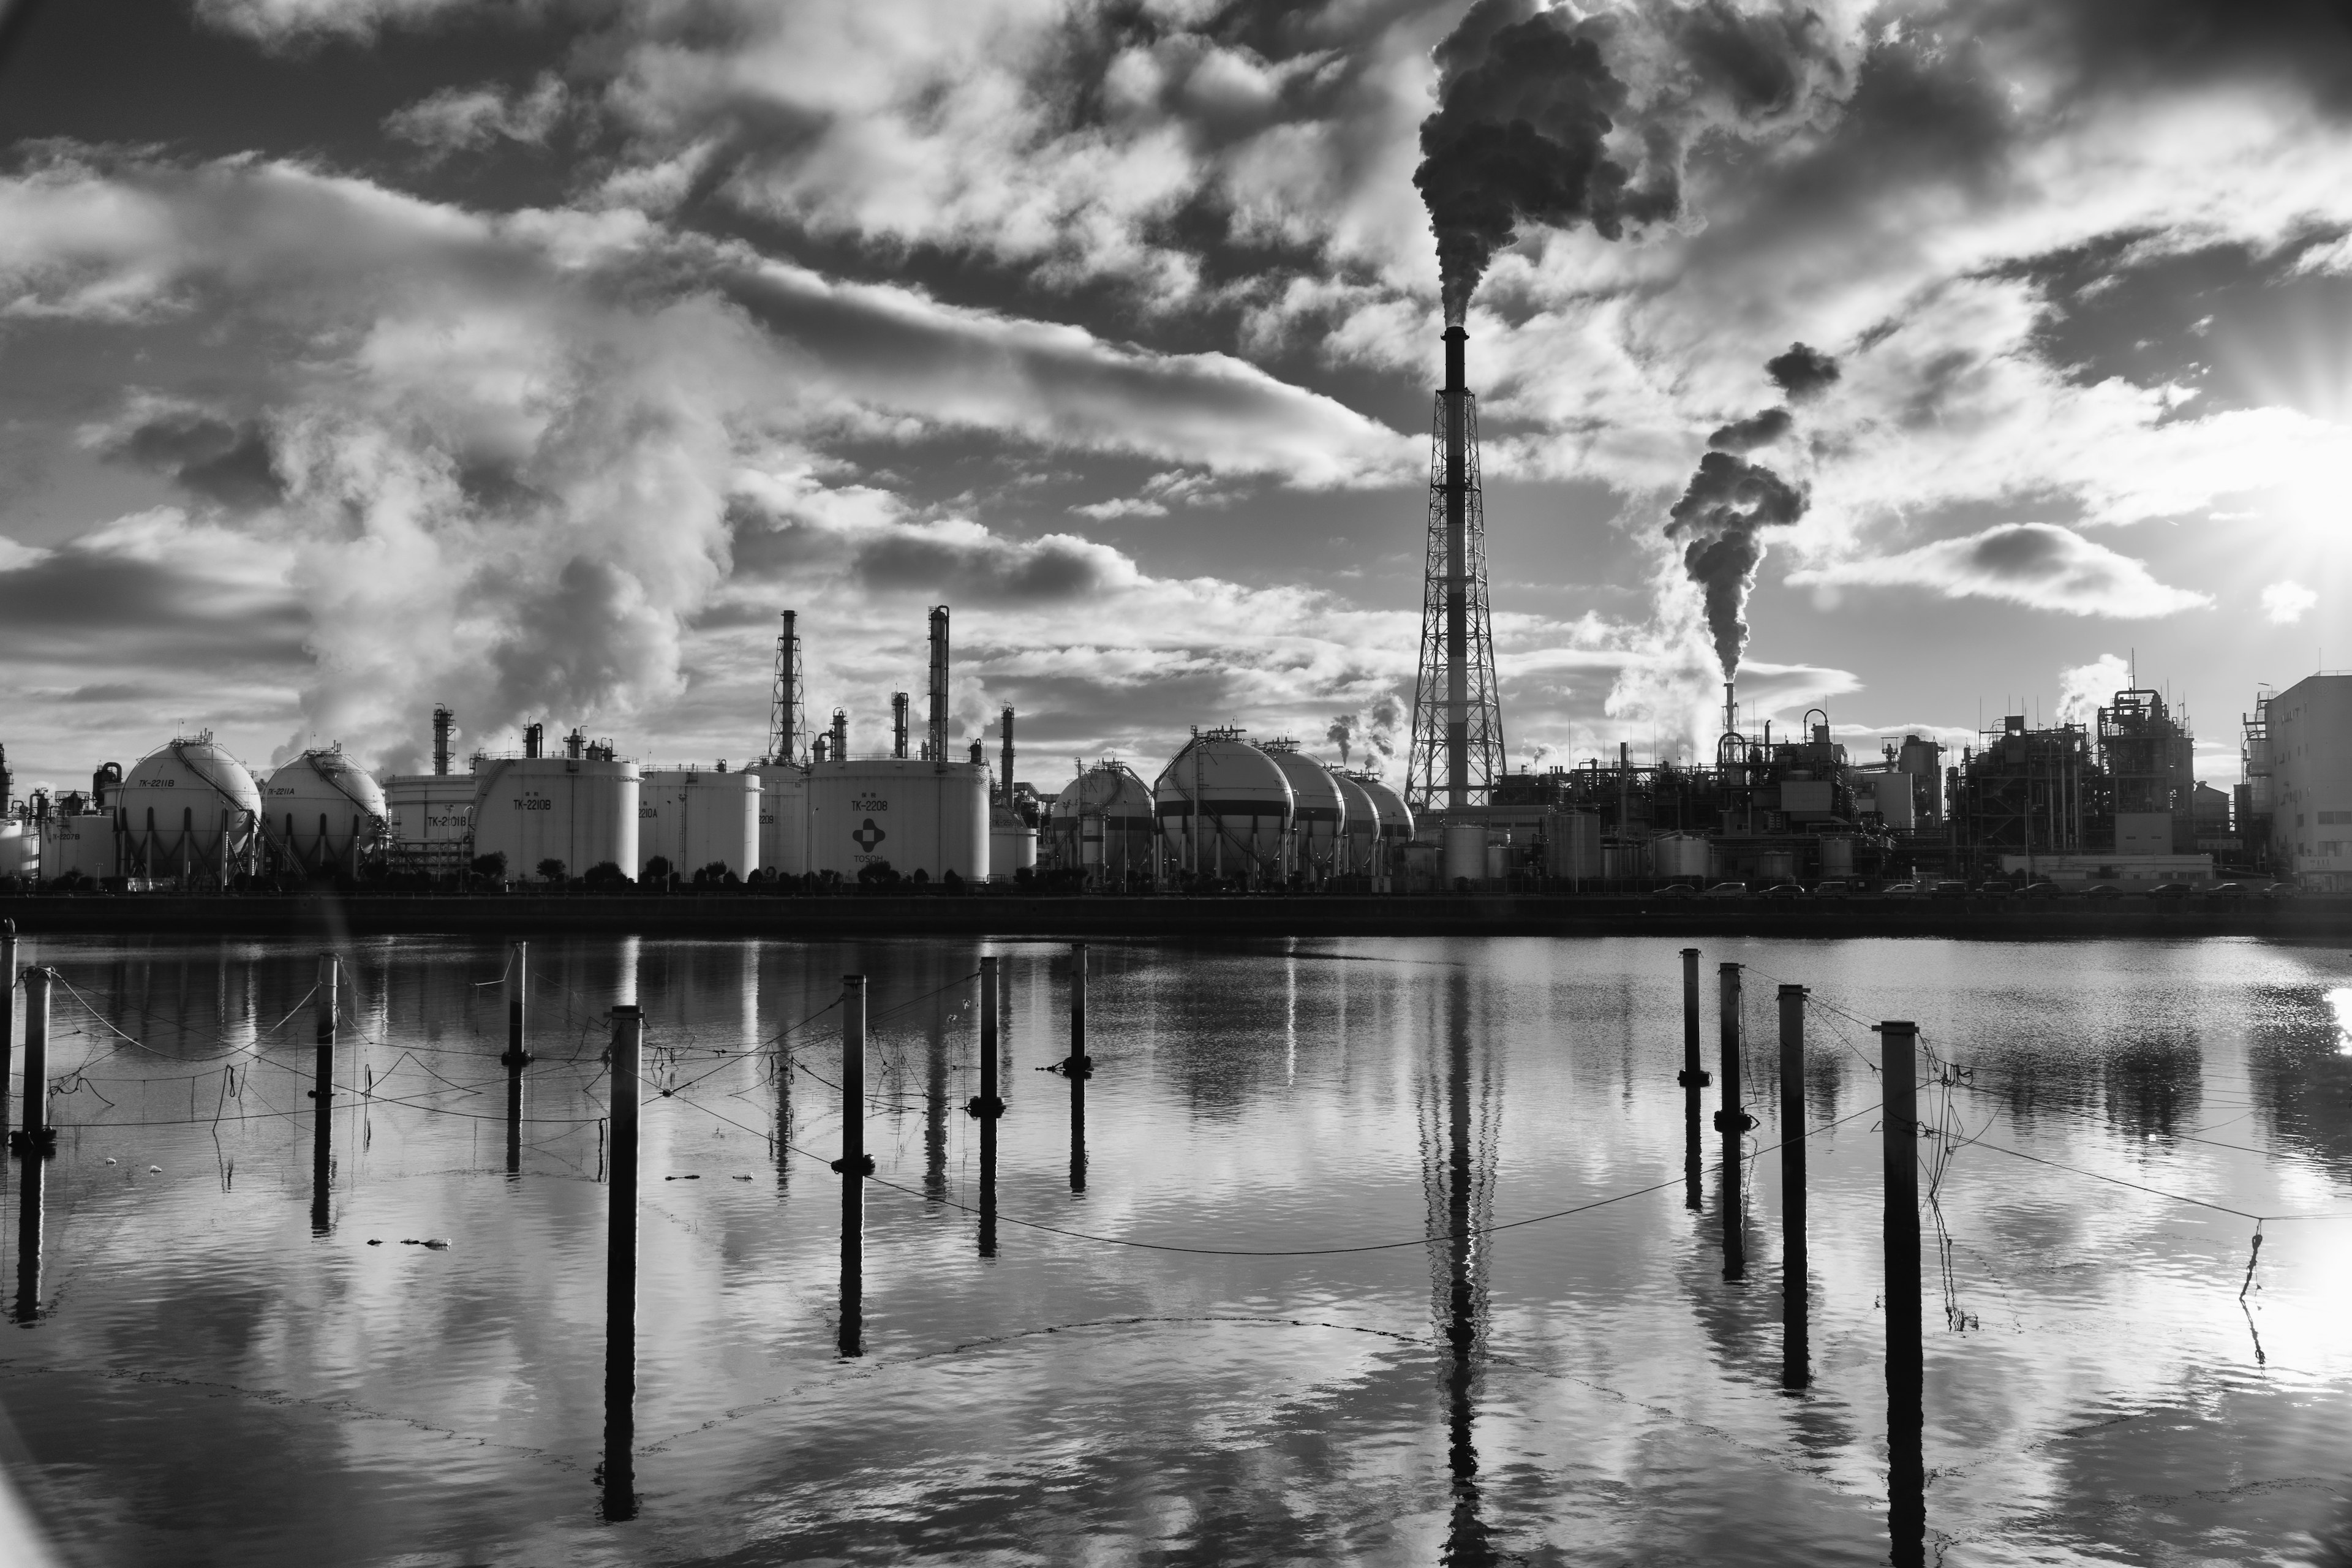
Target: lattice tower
{"points": [[1457, 717]]}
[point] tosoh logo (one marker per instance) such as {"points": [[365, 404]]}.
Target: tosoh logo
{"points": [[867, 837]]}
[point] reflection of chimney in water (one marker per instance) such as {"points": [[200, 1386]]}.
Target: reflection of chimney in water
{"points": [[1466, 1540]]}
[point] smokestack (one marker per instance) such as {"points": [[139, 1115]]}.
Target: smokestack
{"points": [[785, 721], [1730, 710], [898, 725], [841, 734], [939, 753], [1457, 579], [1007, 780], [532, 736], [576, 744], [441, 718], [7, 782]]}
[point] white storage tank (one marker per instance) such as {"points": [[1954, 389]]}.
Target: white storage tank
{"points": [[1104, 825], [693, 819], [431, 818], [189, 810], [85, 842], [1318, 811], [915, 815], [1573, 845], [581, 811], [1837, 856], [1011, 844], [1226, 810], [1360, 835], [784, 818], [1679, 854], [322, 812], [1465, 853], [20, 854]]}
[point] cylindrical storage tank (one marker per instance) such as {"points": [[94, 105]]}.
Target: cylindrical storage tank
{"points": [[695, 820], [1359, 828], [1104, 823], [431, 820], [1776, 864], [1465, 844], [784, 818], [1011, 844], [20, 856], [322, 812], [1318, 812], [905, 813], [189, 810], [1679, 855], [1225, 810], [1837, 856], [83, 843], [579, 811]]}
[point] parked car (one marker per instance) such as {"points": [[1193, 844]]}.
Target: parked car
{"points": [[1833, 889], [1679, 890], [2041, 890], [1949, 890], [1786, 890], [1726, 891], [1901, 889], [2281, 891], [2102, 890], [1994, 890], [2171, 891], [2230, 890]]}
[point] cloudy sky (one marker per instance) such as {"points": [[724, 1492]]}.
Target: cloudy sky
{"points": [[530, 355]]}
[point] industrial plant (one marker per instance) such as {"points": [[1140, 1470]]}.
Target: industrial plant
{"points": [[2111, 803]]}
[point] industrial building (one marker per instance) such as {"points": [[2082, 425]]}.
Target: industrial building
{"points": [[2297, 797]]}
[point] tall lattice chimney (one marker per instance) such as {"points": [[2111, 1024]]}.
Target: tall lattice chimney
{"points": [[939, 715], [1457, 716]]}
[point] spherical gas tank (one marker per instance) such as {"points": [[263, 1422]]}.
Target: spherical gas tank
{"points": [[908, 814], [695, 819], [784, 818], [581, 810], [323, 812], [1396, 817], [1226, 810], [189, 810], [1360, 835], [1104, 823], [1320, 812]]}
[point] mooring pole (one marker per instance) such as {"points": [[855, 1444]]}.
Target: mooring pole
{"points": [[987, 1106], [518, 1051], [620, 1475], [8, 1016], [1795, 1329], [1733, 1122], [322, 1113], [1079, 1067], [28, 1240], [36, 1136], [1693, 1077], [1907, 1475], [854, 1164]]}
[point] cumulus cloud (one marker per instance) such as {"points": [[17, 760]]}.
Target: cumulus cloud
{"points": [[293, 22], [468, 119], [2283, 603], [2038, 564]]}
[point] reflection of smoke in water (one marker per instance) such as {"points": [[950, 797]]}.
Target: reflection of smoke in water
{"points": [[2339, 1002]]}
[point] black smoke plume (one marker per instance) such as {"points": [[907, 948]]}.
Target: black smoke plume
{"points": [[1729, 501], [1756, 430], [1525, 103], [1802, 373]]}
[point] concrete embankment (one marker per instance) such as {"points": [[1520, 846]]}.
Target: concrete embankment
{"points": [[853, 915]]}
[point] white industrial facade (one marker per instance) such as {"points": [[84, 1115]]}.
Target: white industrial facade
{"points": [[2310, 759]]}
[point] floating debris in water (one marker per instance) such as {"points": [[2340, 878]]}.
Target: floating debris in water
{"points": [[375, 1241], [155, 1170], [742, 1178], [110, 1159], [439, 1244]]}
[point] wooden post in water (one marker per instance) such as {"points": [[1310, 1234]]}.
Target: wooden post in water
{"points": [[620, 1475], [854, 1164], [1906, 1476], [35, 1142], [1693, 1077], [1796, 1350], [1733, 1122], [322, 1115], [7, 1015], [987, 1106], [518, 1051], [1078, 1068]]}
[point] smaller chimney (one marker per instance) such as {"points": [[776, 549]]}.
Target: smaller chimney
{"points": [[1730, 710], [1006, 782], [841, 734], [441, 719], [576, 744], [532, 735], [938, 714], [898, 725], [818, 748], [978, 754]]}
